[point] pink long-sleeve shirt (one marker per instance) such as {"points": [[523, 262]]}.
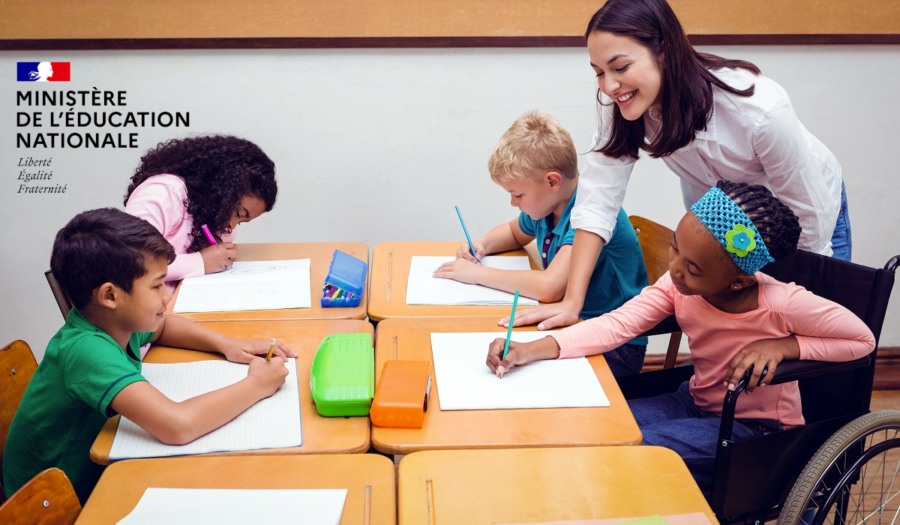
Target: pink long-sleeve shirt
{"points": [[161, 201], [825, 331]]}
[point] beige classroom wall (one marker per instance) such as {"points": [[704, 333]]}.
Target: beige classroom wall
{"points": [[377, 145]]}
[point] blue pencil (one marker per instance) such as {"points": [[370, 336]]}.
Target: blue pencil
{"points": [[466, 231], [512, 317]]}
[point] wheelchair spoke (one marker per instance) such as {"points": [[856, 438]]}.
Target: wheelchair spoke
{"points": [[891, 486], [875, 494]]}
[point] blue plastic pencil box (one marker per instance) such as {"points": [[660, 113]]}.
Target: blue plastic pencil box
{"points": [[345, 282]]}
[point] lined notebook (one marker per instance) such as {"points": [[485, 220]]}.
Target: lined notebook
{"points": [[248, 285], [273, 422], [423, 289], [238, 506], [464, 381]]}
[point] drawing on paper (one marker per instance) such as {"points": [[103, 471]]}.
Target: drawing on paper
{"points": [[254, 270]]}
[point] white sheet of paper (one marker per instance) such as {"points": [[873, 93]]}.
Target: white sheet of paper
{"points": [[424, 289], [238, 506], [464, 382], [248, 285], [273, 422]]}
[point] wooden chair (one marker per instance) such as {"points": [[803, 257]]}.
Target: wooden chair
{"points": [[17, 365], [655, 240], [47, 499], [62, 300]]}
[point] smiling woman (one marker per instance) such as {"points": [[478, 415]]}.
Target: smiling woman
{"points": [[185, 184], [709, 118]]}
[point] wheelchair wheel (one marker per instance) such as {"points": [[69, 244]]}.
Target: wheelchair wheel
{"points": [[853, 478]]}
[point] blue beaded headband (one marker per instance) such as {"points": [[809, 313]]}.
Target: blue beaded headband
{"points": [[733, 229]]}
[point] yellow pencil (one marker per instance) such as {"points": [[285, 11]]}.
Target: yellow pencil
{"points": [[271, 347]]}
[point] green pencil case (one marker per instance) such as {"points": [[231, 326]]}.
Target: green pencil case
{"points": [[342, 379]]}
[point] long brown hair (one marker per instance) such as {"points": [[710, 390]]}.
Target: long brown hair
{"points": [[686, 90]]}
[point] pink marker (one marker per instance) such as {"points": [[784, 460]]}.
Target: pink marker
{"points": [[209, 236]]}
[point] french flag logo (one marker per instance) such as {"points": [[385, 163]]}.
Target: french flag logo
{"points": [[43, 72]]}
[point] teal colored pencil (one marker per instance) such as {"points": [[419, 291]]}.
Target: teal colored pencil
{"points": [[509, 330], [466, 231]]}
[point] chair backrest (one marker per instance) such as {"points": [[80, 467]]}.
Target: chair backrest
{"points": [[47, 499], [62, 300], [654, 240], [17, 365], [862, 290]]}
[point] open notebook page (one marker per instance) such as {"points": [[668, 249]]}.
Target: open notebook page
{"points": [[464, 381], [238, 506], [423, 289], [273, 422], [248, 285]]}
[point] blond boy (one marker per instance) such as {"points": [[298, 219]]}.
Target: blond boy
{"points": [[536, 163]]}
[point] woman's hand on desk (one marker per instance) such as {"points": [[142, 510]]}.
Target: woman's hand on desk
{"points": [[519, 353], [219, 257], [461, 270], [244, 350], [547, 315]]}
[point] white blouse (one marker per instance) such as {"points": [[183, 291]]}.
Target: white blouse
{"points": [[756, 139]]}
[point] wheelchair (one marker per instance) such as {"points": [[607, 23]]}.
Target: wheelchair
{"points": [[843, 466]]}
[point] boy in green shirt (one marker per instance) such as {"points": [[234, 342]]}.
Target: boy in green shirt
{"points": [[113, 267]]}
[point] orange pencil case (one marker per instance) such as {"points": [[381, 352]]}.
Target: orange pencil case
{"points": [[401, 396]]}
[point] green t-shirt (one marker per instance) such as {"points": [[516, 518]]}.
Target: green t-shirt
{"points": [[67, 403]]}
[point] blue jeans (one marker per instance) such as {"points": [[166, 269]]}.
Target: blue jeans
{"points": [[842, 240], [673, 421], [626, 360]]}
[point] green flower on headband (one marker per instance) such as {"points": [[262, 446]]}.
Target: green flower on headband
{"points": [[740, 240]]}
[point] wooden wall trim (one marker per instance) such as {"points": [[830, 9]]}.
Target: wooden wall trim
{"points": [[114, 44]]}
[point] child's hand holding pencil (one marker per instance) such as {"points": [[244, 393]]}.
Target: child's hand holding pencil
{"points": [[519, 353], [244, 350]]}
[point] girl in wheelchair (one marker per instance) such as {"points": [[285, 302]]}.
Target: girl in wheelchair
{"points": [[736, 319]]}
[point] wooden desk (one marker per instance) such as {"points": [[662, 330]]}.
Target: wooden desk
{"points": [[320, 434], [122, 485], [539, 485], [390, 275], [319, 255], [463, 429]]}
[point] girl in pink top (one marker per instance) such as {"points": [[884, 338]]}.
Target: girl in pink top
{"points": [[734, 317], [217, 181]]}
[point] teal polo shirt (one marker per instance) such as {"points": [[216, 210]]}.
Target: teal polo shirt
{"points": [[619, 274], [67, 403]]}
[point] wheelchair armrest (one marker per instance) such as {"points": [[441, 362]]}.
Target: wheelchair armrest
{"points": [[795, 369], [787, 371], [666, 326]]}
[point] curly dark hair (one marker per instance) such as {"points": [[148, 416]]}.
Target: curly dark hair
{"points": [[779, 227], [219, 171]]}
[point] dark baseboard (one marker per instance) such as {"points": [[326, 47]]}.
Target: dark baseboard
{"points": [[392, 42], [887, 367]]}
